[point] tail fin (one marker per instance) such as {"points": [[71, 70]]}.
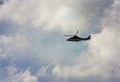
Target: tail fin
{"points": [[89, 37]]}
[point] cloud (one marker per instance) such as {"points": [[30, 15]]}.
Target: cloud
{"points": [[23, 76], [10, 44], [66, 15], [8, 28], [102, 56], [1, 2]]}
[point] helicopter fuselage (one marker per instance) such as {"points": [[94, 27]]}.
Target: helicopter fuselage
{"points": [[77, 39]]}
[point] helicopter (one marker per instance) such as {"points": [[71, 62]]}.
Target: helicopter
{"points": [[75, 38]]}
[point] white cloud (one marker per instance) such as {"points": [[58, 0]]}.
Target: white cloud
{"points": [[102, 56], [67, 15], [22, 76], [101, 59]]}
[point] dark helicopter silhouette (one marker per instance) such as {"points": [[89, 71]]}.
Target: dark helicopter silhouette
{"points": [[75, 38]]}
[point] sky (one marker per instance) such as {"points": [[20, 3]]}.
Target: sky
{"points": [[33, 48]]}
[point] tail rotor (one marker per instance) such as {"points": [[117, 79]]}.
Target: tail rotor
{"points": [[89, 37]]}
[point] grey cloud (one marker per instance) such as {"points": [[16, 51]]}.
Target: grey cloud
{"points": [[8, 28], [1, 2]]}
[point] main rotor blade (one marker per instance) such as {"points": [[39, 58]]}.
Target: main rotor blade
{"points": [[68, 35], [76, 32]]}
